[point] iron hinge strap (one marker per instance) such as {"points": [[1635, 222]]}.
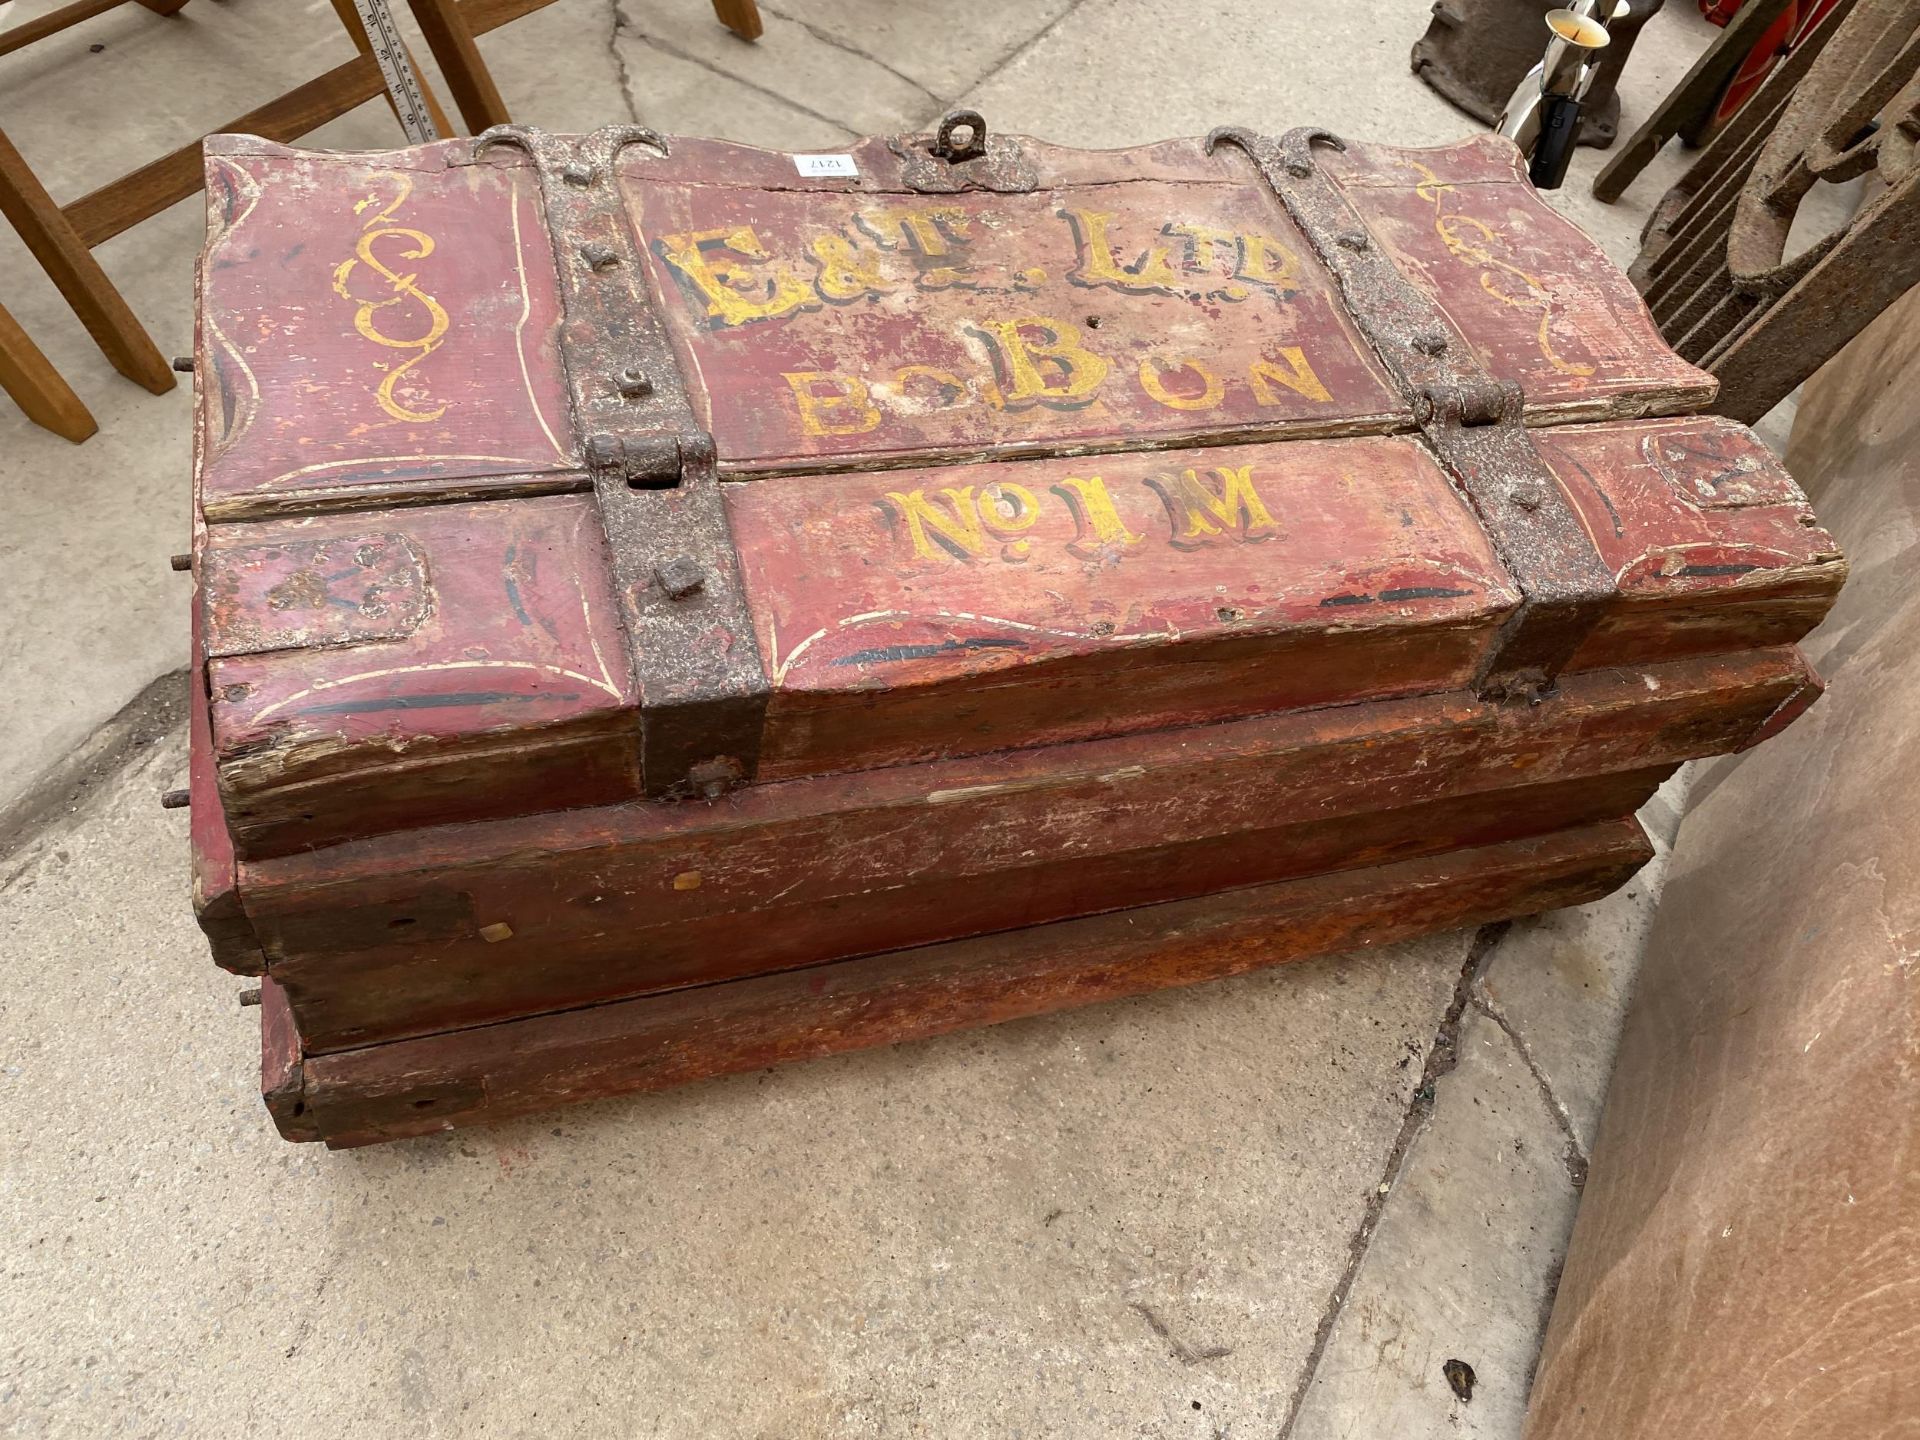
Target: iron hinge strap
{"points": [[690, 637], [1473, 422]]}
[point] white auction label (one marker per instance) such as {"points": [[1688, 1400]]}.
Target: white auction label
{"points": [[826, 165]]}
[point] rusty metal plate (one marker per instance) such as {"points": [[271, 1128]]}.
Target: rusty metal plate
{"points": [[308, 594]]}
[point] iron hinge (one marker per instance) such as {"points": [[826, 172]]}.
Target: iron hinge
{"points": [[1473, 421], [690, 636]]}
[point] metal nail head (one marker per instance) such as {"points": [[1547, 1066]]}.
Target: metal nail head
{"points": [[681, 577]]}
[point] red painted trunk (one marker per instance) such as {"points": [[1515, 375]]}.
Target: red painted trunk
{"points": [[657, 598]]}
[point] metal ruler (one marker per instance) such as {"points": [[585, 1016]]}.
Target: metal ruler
{"points": [[390, 54]]}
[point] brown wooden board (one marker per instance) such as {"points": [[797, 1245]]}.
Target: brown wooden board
{"points": [[468, 924], [379, 672], [386, 330], [474, 1076], [1746, 1259], [632, 567]]}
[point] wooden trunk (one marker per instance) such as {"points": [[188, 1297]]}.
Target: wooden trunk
{"points": [[669, 606]]}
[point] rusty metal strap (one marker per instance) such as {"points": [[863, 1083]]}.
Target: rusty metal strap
{"points": [[1472, 420], [696, 663]]}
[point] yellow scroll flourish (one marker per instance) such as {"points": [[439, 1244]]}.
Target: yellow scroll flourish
{"points": [[1473, 241], [402, 290]]}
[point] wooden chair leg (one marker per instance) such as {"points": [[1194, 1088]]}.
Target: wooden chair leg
{"points": [[742, 17], [164, 7], [37, 388], [450, 39], [71, 266], [350, 18]]}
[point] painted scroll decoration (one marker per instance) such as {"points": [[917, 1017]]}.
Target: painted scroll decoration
{"points": [[429, 315]]}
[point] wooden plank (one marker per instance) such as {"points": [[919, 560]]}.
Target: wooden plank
{"points": [[917, 614], [463, 924], [450, 38], [71, 266], [827, 324], [1530, 295], [1745, 1260], [482, 1075], [740, 16], [361, 669], [40, 391], [20, 36], [121, 204], [281, 1080], [363, 383], [1058, 599], [216, 886]]}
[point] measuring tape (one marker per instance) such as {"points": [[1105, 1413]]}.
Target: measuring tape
{"points": [[390, 54]]}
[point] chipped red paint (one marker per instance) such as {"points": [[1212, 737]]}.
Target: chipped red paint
{"points": [[1523, 287], [344, 660], [1711, 543], [1093, 559], [1058, 599], [895, 325], [380, 321]]}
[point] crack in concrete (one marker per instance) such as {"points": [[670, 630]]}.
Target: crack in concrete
{"points": [[826, 39], [1179, 1348], [625, 26], [1575, 1158], [1009, 56], [622, 77], [143, 721], [1442, 1056]]}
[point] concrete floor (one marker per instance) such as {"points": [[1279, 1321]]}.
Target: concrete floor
{"points": [[1271, 1206]]}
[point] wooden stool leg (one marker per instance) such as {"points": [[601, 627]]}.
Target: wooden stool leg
{"points": [[36, 387], [70, 264], [350, 18], [450, 39], [742, 17]]}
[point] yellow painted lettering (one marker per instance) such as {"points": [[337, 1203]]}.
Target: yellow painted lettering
{"points": [[1102, 531], [843, 410], [1297, 376], [923, 389], [1152, 369], [1265, 261], [1097, 265], [846, 270], [929, 234], [1202, 241], [1021, 348], [1202, 515], [954, 529], [1007, 509], [722, 269]]}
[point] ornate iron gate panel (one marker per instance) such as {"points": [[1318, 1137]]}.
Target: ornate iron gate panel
{"points": [[1714, 266]]}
